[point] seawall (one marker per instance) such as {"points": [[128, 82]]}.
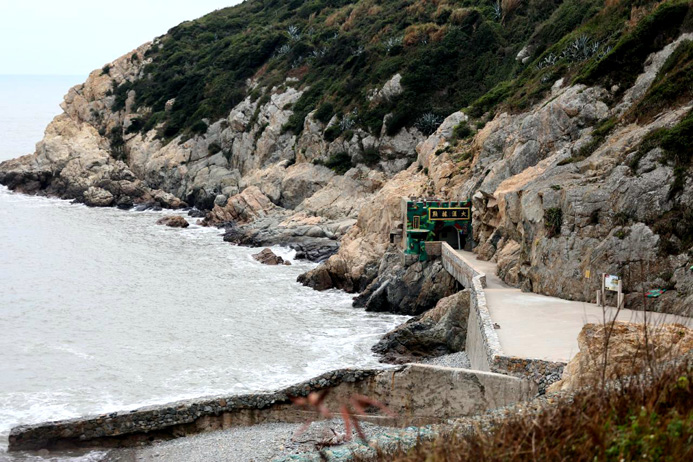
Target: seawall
{"points": [[417, 394]]}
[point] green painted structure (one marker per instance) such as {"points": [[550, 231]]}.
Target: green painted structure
{"points": [[435, 220]]}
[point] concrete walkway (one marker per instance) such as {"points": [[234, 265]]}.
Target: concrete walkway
{"points": [[540, 327]]}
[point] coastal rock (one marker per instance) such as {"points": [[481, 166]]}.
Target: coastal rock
{"points": [[407, 289], [356, 264], [242, 208], [440, 331], [173, 221], [267, 257], [97, 197], [631, 348], [301, 182], [316, 250]]}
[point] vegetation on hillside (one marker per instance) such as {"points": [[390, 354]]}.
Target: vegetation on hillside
{"points": [[452, 54], [449, 54]]}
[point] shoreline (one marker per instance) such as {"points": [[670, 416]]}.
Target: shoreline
{"points": [[216, 238]]}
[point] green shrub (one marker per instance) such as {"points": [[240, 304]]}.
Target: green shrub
{"points": [[625, 62], [325, 112], [339, 162], [199, 127], [213, 148], [118, 147], [135, 126], [462, 131], [553, 220], [674, 84], [371, 156], [106, 70], [332, 132]]}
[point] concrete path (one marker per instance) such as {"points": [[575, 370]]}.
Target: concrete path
{"points": [[540, 327]]}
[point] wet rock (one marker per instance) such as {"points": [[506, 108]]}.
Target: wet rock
{"points": [[173, 221], [440, 331], [407, 289], [267, 257], [196, 213], [317, 250]]}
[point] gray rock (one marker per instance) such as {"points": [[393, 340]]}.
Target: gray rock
{"points": [[440, 331], [220, 200], [97, 197]]}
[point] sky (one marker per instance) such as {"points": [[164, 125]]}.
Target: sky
{"points": [[74, 37]]}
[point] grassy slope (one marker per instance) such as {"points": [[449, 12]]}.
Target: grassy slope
{"points": [[451, 54]]}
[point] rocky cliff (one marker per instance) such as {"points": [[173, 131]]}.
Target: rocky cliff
{"points": [[578, 162]]}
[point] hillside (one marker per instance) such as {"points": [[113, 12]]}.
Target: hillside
{"points": [[302, 123]]}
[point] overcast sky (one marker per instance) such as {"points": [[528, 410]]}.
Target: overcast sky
{"points": [[74, 37]]}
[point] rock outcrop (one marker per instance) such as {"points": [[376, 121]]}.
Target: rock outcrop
{"points": [[267, 257], [625, 350], [403, 288], [173, 221], [560, 189], [440, 331]]}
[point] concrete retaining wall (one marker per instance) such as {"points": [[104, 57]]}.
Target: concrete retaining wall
{"points": [[418, 394], [483, 345]]}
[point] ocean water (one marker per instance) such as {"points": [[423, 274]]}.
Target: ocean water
{"points": [[103, 310]]}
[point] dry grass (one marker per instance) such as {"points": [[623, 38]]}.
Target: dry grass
{"points": [[508, 6], [645, 417]]}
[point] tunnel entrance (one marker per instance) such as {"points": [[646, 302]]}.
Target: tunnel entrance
{"points": [[452, 236]]}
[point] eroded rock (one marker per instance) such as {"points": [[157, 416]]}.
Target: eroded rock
{"points": [[440, 331], [173, 221], [267, 257], [631, 348]]}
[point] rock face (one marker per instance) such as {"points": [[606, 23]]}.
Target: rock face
{"points": [[173, 221], [267, 257], [440, 331], [356, 264], [407, 288], [545, 209], [629, 351]]}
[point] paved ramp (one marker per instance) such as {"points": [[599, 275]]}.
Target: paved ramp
{"points": [[540, 327]]}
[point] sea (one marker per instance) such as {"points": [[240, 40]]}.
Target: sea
{"points": [[102, 310]]}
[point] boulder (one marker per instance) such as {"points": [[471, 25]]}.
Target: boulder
{"points": [[97, 197], [173, 221], [407, 289], [440, 331], [267, 257], [629, 351]]}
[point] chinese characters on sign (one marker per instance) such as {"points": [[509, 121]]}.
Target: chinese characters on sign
{"points": [[448, 214]]}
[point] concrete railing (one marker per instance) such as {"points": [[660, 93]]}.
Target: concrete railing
{"points": [[418, 394], [483, 346]]}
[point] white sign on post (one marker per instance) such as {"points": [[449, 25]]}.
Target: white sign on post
{"points": [[611, 282]]}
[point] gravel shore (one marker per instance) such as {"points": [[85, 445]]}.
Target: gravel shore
{"points": [[278, 441], [259, 443]]}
